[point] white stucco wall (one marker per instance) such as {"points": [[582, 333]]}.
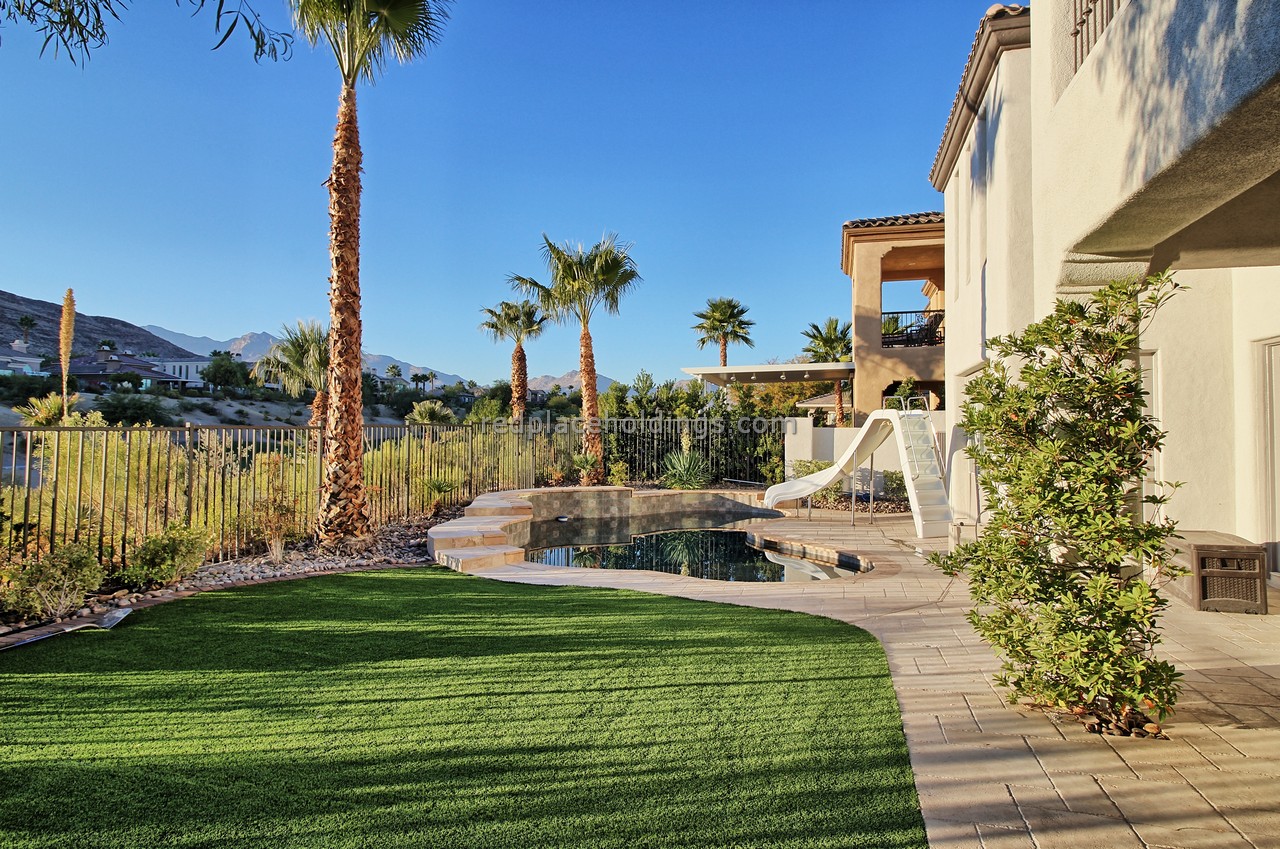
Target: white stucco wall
{"points": [[989, 255], [1255, 319], [1192, 341]]}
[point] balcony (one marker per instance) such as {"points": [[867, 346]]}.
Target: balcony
{"points": [[912, 329], [1091, 18]]}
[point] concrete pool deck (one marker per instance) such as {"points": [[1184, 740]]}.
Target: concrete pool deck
{"points": [[991, 775]]}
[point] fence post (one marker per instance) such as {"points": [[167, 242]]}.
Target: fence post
{"points": [[471, 462], [191, 472]]}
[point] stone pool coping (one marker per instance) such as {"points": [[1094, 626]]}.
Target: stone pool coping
{"points": [[494, 530]]}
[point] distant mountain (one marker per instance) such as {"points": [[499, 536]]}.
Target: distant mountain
{"points": [[253, 346], [250, 346], [89, 330], [569, 381]]}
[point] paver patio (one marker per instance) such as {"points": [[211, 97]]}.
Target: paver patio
{"points": [[992, 775]]}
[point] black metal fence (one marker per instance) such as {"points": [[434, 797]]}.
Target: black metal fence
{"points": [[111, 487]]}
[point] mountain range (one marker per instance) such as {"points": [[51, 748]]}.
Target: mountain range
{"points": [[159, 341], [253, 346], [568, 381], [89, 330]]}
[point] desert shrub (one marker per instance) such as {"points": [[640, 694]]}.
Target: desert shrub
{"points": [[895, 485], [1062, 440], [685, 470], [619, 474], [166, 557], [830, 497], [54, 585], [16, 388], [127, 408], [276, 513], [556, 472]]}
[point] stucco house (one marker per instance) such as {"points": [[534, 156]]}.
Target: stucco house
{"points": [[1097, 139]]}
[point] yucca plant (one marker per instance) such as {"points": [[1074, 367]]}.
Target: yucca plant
{"points": [[686, 470], [586, 466]]}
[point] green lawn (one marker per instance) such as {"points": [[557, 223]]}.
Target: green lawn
{"points": [[420, 708]]}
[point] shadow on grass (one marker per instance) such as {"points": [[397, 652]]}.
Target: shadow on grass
{"points": [[427, 709]]}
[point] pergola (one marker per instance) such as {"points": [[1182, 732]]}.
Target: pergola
{"points": [[771, 373]]}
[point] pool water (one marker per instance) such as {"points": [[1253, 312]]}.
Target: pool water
{"points": [[716, 555]]}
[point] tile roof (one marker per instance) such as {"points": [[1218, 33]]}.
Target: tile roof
{"points": [[895, 220], [960, 107]]}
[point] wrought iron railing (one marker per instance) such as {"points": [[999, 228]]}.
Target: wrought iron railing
{"points": [[912, 329], [1089, 20], [111, 487]]}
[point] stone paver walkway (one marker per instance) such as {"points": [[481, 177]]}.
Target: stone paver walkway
{"points": [[991, 775]]}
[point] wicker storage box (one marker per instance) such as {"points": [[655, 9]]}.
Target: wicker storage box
{"points": [[1226, 573]]}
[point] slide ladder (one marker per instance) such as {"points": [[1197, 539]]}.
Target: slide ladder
{"points": [[921, 466]]}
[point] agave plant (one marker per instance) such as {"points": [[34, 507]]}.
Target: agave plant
{"points": [[686, 470]]}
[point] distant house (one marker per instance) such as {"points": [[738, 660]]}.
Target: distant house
{"points": [[103, 368], [187, 368], [537, 396], [20, 362]]}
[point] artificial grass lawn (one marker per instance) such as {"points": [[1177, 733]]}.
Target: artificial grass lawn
{"points": [[420, 708]]}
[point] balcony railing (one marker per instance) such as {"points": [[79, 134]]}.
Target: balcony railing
{"points": [[1090, 19], [912, 329]]}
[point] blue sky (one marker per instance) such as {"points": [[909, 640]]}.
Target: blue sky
{"points": [[171, 184]]}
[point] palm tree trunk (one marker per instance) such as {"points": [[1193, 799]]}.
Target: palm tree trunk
{"points": [[319, 409], [839, 403], [343, 519], [591, 442], [519, 383], [724, 351]]}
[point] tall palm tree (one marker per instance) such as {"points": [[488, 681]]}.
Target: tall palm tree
{"points": [[432, 377], [518, 322], [831, 343], [581, 281], [363, 35], [26, 324], [724, 321], [298, 362], [418, 379]]}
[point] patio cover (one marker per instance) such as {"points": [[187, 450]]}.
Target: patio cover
{"points": [[771, 373]]}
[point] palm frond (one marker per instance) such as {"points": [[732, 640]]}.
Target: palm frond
{"points": [[364, 34]]}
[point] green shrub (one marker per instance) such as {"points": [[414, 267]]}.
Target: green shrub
{"points": [[1062, 444], [685, 470], [54, 585], [895, 485], [829, 497], [619, 474], [167, 557], [127, 408]]}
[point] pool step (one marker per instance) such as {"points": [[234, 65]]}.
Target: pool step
{"points": [[498, 505], [468, 532], [476, 557]]}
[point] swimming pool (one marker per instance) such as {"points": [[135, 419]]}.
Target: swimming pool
{"points": [[710, 554]]}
